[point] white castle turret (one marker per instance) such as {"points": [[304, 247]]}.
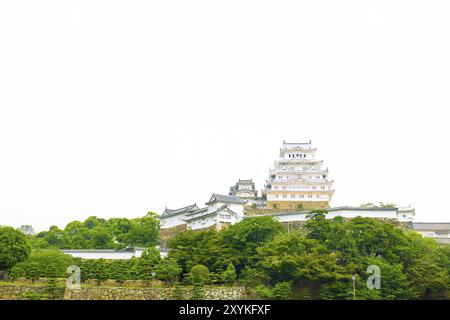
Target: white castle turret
{"points": [[245, 189], [297, 180]]}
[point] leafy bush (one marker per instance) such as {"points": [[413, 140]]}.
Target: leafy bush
{"points": [[177, 293], [14, 248], [198, 292], [281, 291], [229, 276], [199, 274], [168, 270], [16, 273], [29, 295], [46, 264]]}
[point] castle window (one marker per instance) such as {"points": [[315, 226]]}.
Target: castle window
{"points": [[284, 195], [292, 195], [225, 216]]}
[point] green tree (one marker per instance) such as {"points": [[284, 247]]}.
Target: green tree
{"points": [[143, 232], [199, 274], [190, 248], [33, 271], [78, 235], [52, 287], [46, 262], [168, 270], [290, 257], [29, 295], [103, 270], [100, 238], [426, 272], [16, 273], [177, 292], [92, 222], [198, 292], [56, 238], [119, 227], [281, 291], [229, 276], [144, 266], [119, 271], [98, 270], [14, 248], [241, 240]]}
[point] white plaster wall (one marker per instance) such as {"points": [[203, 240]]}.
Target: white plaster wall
{"points": [[113, 255], [272, 197], [342, 213], [202, 223], [170, 222], [237, 208]]}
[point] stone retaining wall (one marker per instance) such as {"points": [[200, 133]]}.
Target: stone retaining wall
{"points": [[16, 292], [294, 205], [121, 293]]}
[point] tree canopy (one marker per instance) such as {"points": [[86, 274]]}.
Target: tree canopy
{"points": [[99, 233], [14, 248], [318, 259]]}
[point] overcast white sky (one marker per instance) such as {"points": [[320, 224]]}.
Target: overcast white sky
{"points": [[117, 108]]}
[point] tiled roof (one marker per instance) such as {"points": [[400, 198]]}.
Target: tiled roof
{"points": [[224, 207], [224, 198], [295, 143], [196, 211], [444, 226], [170, 212]]}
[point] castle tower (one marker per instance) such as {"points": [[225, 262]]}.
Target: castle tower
{"points": [[245, 189], [297, 181]]}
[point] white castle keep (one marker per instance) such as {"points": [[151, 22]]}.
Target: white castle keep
{"points": [[298, 180], [297, 184]]}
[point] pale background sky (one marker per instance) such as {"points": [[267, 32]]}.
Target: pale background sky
{"points": [[116, 108]]}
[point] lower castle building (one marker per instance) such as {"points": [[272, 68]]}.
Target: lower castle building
{"points": [[439, 231], [245, 190], [220, 211]]}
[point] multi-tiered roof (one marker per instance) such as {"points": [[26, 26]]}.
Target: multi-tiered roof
{"points": [[244, 189], [298, 179]]}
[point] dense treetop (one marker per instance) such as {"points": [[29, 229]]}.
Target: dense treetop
{"points": [[14, 248], [99, 233], [318, 259]]}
